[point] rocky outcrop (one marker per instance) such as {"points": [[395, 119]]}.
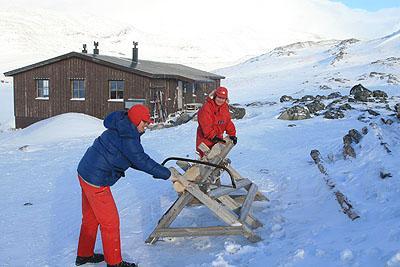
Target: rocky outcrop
{"points": [[333, 114], [286, 98], [295, 113], [237, 112], [334, 95], [315, 106], [379, 94]]}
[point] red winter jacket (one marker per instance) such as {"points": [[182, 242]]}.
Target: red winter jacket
{"points": [[213, 121]]}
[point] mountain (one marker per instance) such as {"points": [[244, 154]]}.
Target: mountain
{"points": [[178, 31], [308, 67]]}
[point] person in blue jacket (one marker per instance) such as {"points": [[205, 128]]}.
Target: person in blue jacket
{"points": [[111, 154]]}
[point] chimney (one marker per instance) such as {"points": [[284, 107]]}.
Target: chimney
{"points": [[96, 50], [135, 52], [84, 49]]}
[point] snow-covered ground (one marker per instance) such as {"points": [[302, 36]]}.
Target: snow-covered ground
{"points": [[303, 225]]}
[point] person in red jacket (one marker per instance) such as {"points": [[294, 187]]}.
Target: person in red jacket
{"points": [[214, 119]]}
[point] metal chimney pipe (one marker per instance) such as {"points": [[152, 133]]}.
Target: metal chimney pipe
{"points": [[84, 49], [96, 50], [135, 52]]}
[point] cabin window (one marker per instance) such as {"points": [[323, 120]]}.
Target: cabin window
{"points": [[42, 88], [116, 89], [78, 89]]}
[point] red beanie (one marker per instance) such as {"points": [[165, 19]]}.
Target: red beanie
{"points": [[139, 113], [222, 92]]}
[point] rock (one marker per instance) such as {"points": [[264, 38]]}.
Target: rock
{"points": [[261, 103], [286, 98], [347, 140], [362, 118], [355, 135], [345, 107], [333, 114], [372, 112], [334, 95], [348, 151], [295, 113], [358, 89], [363, 96], [384, 174], [351, 100], [184, 118], [360, 93], [307, 98], [364, 130], [379, 94], [237, 112], [292, 125], [397, 107], [324, 87], [320, 97], [387, 122], [315, 106], [24, 148], [333, 103]]}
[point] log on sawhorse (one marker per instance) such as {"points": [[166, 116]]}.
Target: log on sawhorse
{"points": [[201, 182]]}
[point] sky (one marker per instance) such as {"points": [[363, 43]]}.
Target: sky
{"points": [[370, 5]]}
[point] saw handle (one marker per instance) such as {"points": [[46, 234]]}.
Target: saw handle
{"points": [[203, 163]]}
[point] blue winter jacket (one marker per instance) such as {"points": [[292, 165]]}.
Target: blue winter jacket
{"points": [[117, 149]]}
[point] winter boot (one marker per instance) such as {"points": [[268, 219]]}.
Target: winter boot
{"points": [[123, 264], [93, 259]]}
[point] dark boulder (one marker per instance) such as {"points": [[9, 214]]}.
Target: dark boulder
{"points": [[379, 94], [295, 113], [334, 95], [355, 135], [358, 89], [333, 114], [315, 106], [237, 112], [286, 98], [364, 130], [307, 98], [372, 112], [346, 106]]}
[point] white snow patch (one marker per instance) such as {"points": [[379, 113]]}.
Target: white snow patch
{"points": [[346, 255], [394, 261]]}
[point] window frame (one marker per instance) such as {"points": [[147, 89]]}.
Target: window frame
{"points": [[40, 91], [79, 89], [117, 90]]}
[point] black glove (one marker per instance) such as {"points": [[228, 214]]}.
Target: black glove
{"points": [[216, 139], [234, 139]]}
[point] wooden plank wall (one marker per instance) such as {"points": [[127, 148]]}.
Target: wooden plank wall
{"points": [[28, 109]]}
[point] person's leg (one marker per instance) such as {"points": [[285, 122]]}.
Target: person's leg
{"points": [[105, 210], [87, 237]]}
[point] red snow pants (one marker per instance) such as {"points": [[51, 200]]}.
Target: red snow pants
{"points": [[98, 208]]}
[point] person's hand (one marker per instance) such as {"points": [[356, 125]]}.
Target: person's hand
{"points": [[234, 139], [216, 139]]}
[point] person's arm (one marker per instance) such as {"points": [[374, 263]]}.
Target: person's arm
{"points": [[134, 151], [206, 123], [230, 128]]}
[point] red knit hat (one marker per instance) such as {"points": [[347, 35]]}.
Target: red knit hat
{"points": [[222, 92], [139, 113]]}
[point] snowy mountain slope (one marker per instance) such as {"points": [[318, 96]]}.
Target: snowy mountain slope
{"points": [[171, 32], [303, 225], [308, 66]]}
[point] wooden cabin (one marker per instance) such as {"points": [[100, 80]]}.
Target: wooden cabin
{"points": [[97, 84]]}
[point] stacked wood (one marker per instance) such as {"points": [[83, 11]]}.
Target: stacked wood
{"points": [[344, 203]]}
